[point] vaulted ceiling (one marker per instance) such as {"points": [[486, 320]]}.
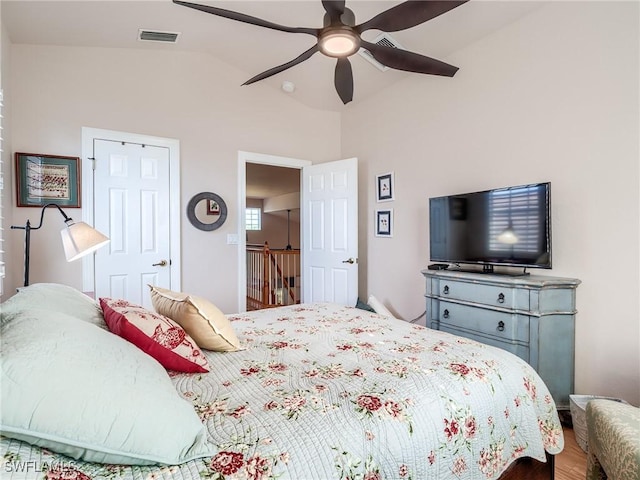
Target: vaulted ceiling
{"points": [[249, 48]]}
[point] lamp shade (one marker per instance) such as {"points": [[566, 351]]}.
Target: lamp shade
{"points": [[79, 239]]}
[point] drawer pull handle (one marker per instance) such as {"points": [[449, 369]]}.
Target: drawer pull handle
{"points": [[445, 314], [501, 298], [445, 290], [500, 326]]}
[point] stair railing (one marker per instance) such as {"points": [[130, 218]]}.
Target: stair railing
{"points": [[272, 277]]}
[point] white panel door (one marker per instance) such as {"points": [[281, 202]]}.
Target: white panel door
{"points": [[329, 202], [131, 189]]}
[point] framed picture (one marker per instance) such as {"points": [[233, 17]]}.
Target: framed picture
{"points": [[213, 207], [384, 223], [384, 187], [43, 179]]}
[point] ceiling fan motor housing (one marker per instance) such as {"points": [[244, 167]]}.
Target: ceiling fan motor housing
{"points": [[339, 41], [347, 18]]}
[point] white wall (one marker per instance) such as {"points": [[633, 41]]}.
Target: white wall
{"points": [[553, 97], [192, 97], [11, 276]]}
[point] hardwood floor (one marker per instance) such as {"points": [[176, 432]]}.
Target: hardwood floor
{"points": [[571, 464]]}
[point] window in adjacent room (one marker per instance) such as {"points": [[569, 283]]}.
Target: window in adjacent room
{"points": [[253, 218]]}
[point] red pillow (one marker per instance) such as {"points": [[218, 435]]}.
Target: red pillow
{"points": [[154, 334]]}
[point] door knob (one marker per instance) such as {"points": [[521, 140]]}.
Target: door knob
{"points": [[161, 263], [350, 260]]}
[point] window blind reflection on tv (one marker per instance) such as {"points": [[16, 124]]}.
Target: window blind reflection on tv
{"points": [[506, 226]]}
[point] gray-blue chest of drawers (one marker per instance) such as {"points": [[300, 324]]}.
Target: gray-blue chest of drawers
{"points": [[531, 316]]}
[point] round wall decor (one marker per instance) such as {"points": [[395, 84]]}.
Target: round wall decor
{"points": [[206, 211]]}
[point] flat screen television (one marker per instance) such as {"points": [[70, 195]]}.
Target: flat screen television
{"points": [[501, 227]]}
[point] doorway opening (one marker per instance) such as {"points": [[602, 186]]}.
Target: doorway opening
{"points": [[269, 274], [273, 236]]}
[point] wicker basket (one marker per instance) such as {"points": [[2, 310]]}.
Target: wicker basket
{"points": [[578, 407]]}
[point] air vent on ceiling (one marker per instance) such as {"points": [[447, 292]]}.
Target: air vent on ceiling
{"points": [[156, 36], [385, 40]]}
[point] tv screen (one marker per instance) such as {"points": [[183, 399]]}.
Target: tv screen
{"points": [[506, 226]]}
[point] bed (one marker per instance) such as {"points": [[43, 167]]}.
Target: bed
{"points": [[314, 391]]}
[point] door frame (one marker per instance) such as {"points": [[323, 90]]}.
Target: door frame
{"points": [[264, 159], [90, 134]]}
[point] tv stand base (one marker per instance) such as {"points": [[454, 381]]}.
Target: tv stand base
{"points": [[489, 270]]}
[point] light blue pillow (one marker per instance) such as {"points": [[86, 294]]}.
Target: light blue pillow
{"points": [[78, 390], [54, 297]]}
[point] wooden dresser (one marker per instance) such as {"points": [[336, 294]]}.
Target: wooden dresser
{"points": [[531, 316]]}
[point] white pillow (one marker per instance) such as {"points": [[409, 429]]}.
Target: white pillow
{"points": [[54, 297], [76, 389]]}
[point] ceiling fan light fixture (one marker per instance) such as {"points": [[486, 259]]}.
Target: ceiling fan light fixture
{"points": [[339, 42]]}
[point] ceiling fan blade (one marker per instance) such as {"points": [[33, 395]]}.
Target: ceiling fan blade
{"points": [[335, 9], [343, 80], [408, 61], [409, 14], [280, 68], [241, 17]]}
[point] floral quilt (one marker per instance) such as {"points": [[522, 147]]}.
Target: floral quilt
{"points": [[322, 391]]}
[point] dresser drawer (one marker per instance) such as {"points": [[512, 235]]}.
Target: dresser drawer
{"points": [[491, 295], [518, 349], [500, 325]]}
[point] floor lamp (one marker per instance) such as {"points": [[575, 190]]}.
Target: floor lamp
{"points": [[78, 239]]}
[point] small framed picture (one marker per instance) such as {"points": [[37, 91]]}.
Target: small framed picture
{"points": [[384, 223], [213, 208], [43, 179], [384, 187]]}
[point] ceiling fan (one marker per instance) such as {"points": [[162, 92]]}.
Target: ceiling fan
{"points": [[340, 38]]}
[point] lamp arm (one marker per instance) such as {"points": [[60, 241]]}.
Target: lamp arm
{"points": [[66, 217], [27, 236], [28, 225]]}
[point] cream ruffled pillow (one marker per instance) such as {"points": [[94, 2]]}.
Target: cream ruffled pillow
{"points": [[201, 319]]}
